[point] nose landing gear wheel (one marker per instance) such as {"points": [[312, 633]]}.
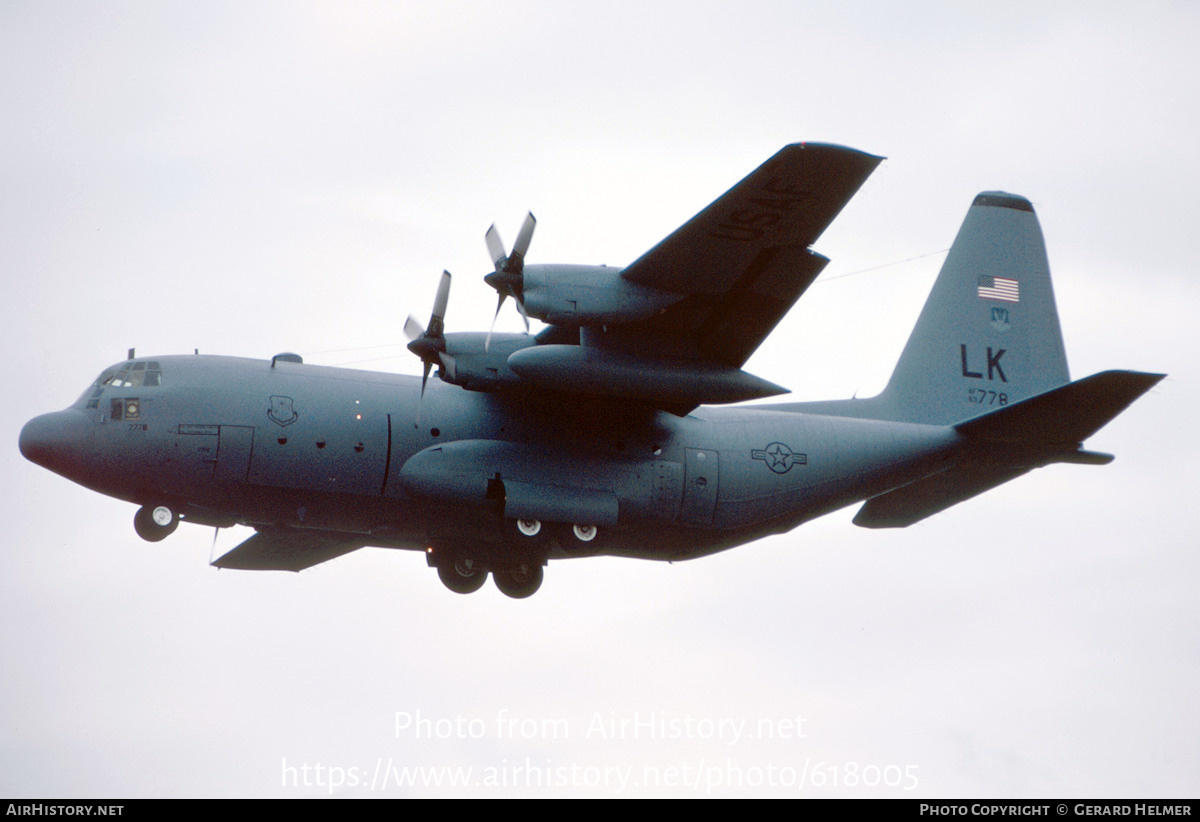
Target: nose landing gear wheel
{"points": [[155, 522], [519, 582], [463, 576]]}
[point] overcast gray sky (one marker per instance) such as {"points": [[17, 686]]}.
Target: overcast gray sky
{"points": [[247, 178]]}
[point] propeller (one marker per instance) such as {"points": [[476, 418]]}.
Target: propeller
{"points": [[212, 551], [429, 343], [509, 277]]}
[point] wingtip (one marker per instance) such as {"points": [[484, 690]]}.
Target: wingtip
{"points": [[807, 145]]}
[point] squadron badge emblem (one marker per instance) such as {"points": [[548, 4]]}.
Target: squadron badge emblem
{"points": [[281, 411]]}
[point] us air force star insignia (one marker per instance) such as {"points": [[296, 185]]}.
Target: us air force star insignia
{"points": [[779, 458]]}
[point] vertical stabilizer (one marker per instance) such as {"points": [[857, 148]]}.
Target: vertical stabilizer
{"points": [[988, 335], [987, 358]]}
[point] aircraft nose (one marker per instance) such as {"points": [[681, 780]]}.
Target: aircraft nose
{"points": [[57, 440]]}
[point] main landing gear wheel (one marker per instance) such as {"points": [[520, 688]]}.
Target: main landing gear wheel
{"points": [[529, 527], [155, 522], [463, 576], [585, 533], [520, 582]]}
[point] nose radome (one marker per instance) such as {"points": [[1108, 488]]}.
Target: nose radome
{"points": [[55, 440]]}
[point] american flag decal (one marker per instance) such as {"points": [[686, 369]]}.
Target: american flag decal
{"points": [[999, 288]]}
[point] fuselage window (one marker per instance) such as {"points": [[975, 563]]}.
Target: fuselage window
{"points": [[127, 409], [145, 373], [139, 374], [97, 389]]}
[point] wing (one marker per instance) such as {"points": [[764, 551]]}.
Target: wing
{"points": [[745, 259], [673, 329], [287, 550]]}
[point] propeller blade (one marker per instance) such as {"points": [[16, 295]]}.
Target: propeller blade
{"points": [[487, 341], [212, 551], [431, 336], [495, 247], [412, 328], [521, 308], [516, 260], [439, 305], [509, 279], [421, 399], [429, 343]]}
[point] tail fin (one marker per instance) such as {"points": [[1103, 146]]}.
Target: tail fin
{"points": [[987, 358], [988, 335]]}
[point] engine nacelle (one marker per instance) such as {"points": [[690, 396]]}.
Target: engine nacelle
{"points": [[660, 382], [581, 295], [477, 364]]}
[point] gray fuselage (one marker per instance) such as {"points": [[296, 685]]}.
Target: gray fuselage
{"points": [[289, 445]]}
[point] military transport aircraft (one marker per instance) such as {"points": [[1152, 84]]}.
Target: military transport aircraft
{"points": [[595, 436]]}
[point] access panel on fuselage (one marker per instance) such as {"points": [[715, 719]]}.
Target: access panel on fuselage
{"points": [[337, 445], [233, 453], [702, 471]]}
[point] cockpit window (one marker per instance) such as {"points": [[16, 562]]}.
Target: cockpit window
{"points": [[146, 374], [134, 376]]}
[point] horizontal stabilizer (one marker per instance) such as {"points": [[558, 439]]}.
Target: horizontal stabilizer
{"points": [[1068, 414], [287, 550], [1011, 441], [924, 498]]}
